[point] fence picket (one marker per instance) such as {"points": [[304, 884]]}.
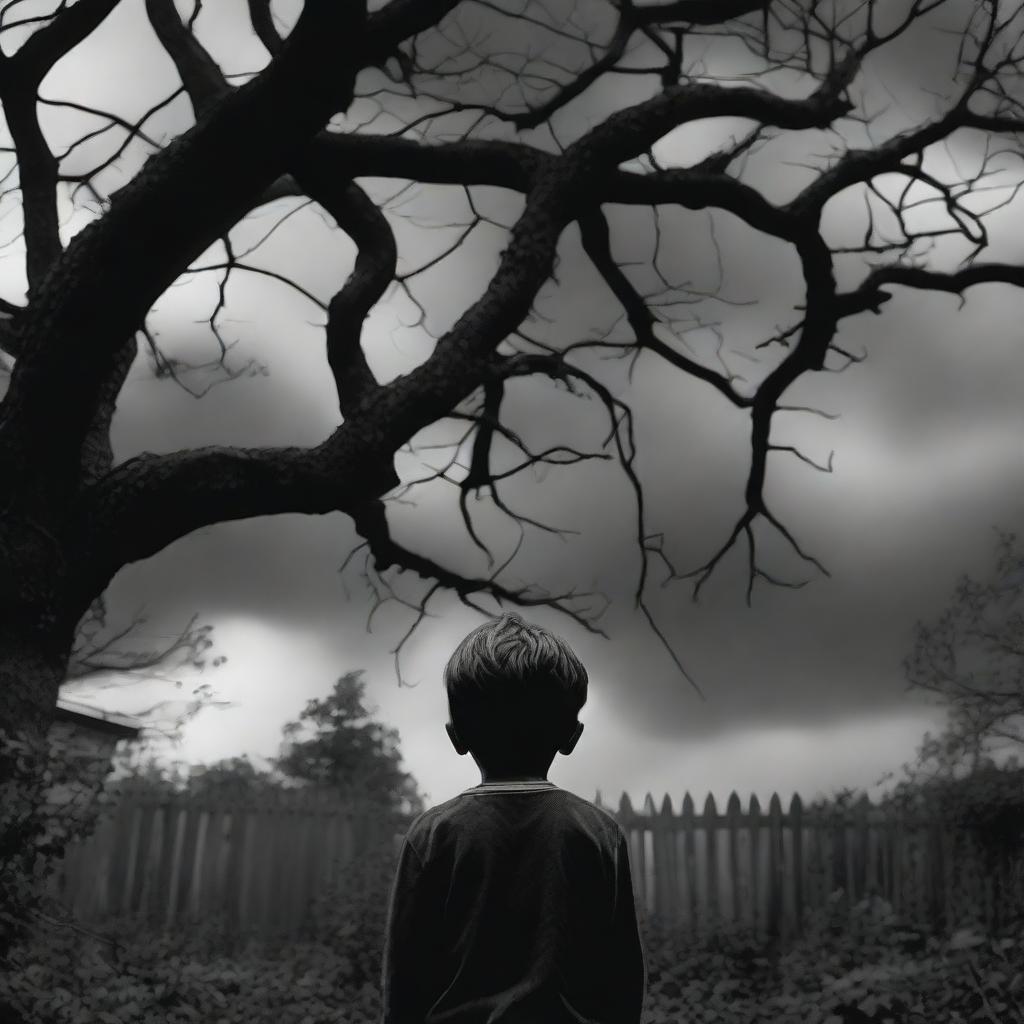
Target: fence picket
{"points": [[690, 858], [754, 829], [776, 866], [733, 816], [711, 859], [665, 863], [796, 813]]}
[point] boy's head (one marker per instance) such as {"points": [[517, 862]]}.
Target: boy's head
{"points": [[514, 693]]}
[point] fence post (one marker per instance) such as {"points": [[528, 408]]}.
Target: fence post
{"points": [[690, 859], [732, 815], [711, 856], [754, 827], [665, 863], [796, 825], [775, 867]]}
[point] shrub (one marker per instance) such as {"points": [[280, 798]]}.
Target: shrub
{"points": [[856, 965], [852, 965], [50, 795], [125, 974]]}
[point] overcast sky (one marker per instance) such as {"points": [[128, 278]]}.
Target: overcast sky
{"points": [[804, 690]]}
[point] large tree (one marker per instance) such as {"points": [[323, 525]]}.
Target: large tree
{"points": [[469, 95]]}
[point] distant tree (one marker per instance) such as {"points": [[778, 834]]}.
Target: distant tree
{"points": [[335, 743], [232, 778], [971, 658]]}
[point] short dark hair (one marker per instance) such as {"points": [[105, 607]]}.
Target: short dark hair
{"points": [[514, 689]]}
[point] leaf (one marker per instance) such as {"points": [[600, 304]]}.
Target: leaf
{"points": [[965, 938]]}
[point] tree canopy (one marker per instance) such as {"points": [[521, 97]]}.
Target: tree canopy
{"points": [[970, 659], [570, 109], [336, 744]]}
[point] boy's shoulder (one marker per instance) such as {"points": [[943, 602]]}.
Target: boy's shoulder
{"points": [[586, 814]]}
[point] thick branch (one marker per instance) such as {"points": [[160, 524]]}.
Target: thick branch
{"points": [[695, 12], [45, 47], [97, 453], [859, 165], [517, 166], [955, 282], [398, 21], [262, 20], [200, 74], [187, 195], [149, 501], [358, 216]]}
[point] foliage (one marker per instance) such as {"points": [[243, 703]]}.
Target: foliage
{"points": [[980, 807], [228, 779], [123, 973], [851, 966], [971, 658], [859, 965], [335, 743], [988, 801], [50, 795]]}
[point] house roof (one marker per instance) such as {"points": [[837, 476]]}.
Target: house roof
{"points": [[87, 716]]}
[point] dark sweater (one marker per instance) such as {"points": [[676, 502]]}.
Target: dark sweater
{"points": [[513, 904]]}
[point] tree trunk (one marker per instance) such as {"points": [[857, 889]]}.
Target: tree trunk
{"points": [[32, 668], [35, 644]]}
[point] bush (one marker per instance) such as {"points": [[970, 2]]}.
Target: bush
{"points": [[125, 974], [859, 965], [164, 981]]}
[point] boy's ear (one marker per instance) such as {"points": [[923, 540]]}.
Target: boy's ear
{"points": [[570, 743], [460, 747]]}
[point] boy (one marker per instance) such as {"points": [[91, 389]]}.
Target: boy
{"points": [[512, 902]]}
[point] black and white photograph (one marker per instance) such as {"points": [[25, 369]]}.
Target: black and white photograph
{"points": [[511, 512]]}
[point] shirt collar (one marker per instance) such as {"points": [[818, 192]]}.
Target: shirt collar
{"points": [[512, 786]]}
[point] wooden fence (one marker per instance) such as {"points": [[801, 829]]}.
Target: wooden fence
{"points": [[258, 866], [254, 866], [765, 870]]}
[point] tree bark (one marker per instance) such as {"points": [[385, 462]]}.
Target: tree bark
{"points": [[36, 627], [32, 667], [33, 659]]}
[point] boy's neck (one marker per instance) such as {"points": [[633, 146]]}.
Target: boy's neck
{"points": [[486, 777]]}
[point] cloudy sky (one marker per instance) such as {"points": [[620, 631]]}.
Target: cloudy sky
{"points": [[804, 690]]}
